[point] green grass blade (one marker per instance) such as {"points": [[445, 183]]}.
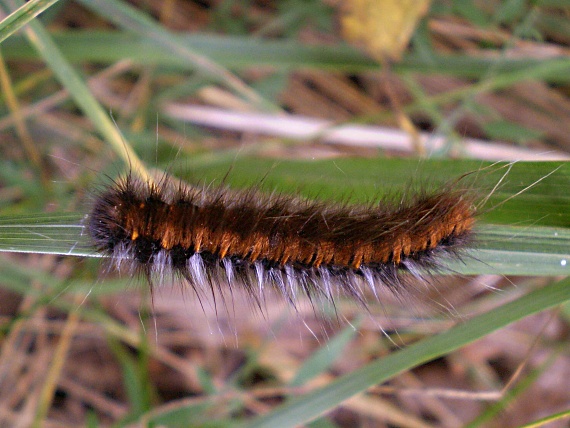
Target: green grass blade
{"points": [[242, 52], [61, 234], [560, 416], [309, 406], [324, 357], [534, 251], [22, 16], [541, 188]]}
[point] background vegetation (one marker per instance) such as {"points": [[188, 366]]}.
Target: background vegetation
{"points": [[93, 88]]}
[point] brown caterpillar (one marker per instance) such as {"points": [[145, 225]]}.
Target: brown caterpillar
{"points": [[217, 238]]}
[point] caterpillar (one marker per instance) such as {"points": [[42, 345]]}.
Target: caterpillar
{"points": [[219, 239]]}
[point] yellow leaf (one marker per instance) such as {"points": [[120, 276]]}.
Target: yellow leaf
{"points": [[382, 27]]}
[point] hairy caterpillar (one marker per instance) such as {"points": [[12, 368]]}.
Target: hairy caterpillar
{"points": [[217, 238]]}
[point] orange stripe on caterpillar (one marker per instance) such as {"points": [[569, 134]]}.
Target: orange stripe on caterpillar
{"points": [[209, 237]]}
